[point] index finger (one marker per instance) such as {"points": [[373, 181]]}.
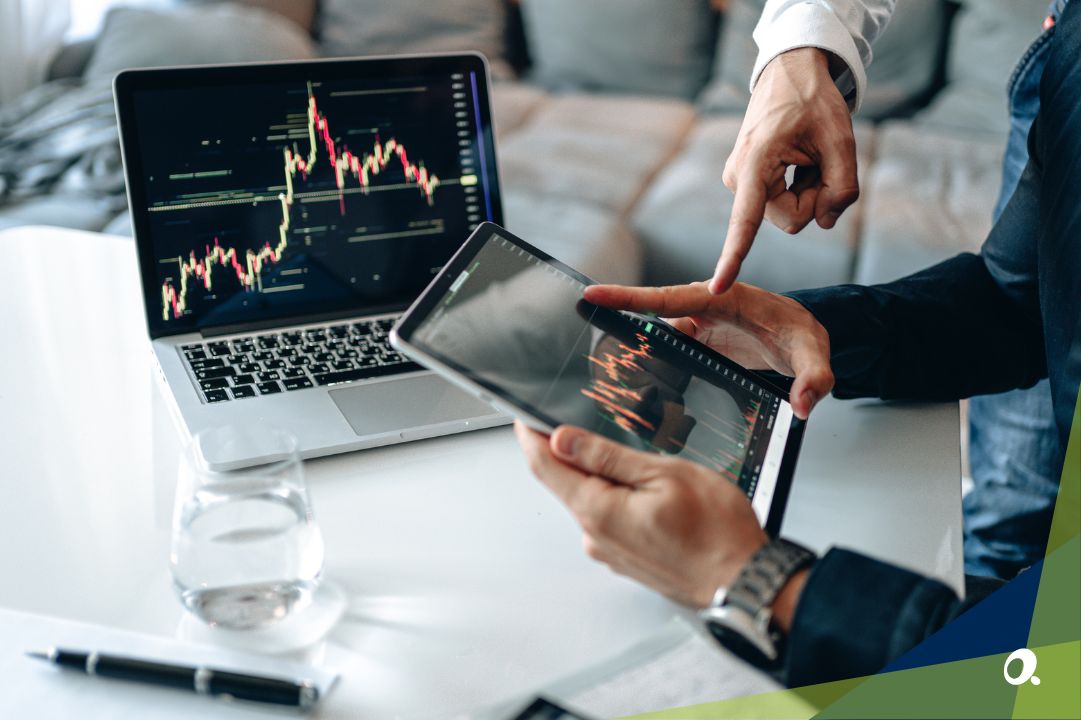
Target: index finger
{"points": [[747, 212], [671, 301]]}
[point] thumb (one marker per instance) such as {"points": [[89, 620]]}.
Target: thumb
{"points": [[814, 378], [599, 456], [840, 182]]}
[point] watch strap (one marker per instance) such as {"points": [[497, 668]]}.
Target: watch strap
{"points": [[768, 570]]}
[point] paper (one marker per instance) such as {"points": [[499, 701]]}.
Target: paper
{"points": [[33, 688], [680, 666]]}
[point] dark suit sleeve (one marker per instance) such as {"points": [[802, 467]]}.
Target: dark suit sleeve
{"points": [[857, 614], [944, 333]]}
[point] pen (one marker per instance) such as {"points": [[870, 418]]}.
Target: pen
{"points": [[203, 680]]}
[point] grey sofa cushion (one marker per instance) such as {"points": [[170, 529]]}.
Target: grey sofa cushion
{"points": [[903, 69], [590, 239], [602, 149], [512, 105], [929, 196], [626, 46], [388, 27], [988, 38], [136, 37], [683, 218]]}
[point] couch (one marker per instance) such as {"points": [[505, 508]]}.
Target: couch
{"points": [[614, 119]]}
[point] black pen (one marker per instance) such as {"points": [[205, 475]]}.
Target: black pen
{"points": [[205, 681]]}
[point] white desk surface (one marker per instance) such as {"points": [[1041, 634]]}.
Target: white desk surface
{"points": [[465, 579]]}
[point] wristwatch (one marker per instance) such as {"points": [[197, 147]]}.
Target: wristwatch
{"points": [[740, 615]]}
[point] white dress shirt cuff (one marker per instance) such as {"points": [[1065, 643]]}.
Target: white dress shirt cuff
{"points": [[812, 25]]}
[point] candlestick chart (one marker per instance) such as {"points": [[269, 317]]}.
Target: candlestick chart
{"points": [[248, 271], [311, 191], [623, 384]]}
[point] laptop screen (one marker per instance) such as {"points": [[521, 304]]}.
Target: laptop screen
{"points": [[268, 194]]}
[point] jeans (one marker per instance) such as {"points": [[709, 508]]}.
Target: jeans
{"points": [[1014, 449]]}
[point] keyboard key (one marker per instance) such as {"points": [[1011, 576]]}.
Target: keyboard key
{"points": [[318, 368], [218, 372], [339, 330], [243, 391], [342, 365], [297, 383], [249, 367], [207, 364], [195, 346], [273, 364], [299, 361], [213, 396], [268, 375], [267, 343], [293, 372], [214, 383], [199, 354], [219, 349], [246, 379], [262, 355], [333, 378], [269, 388], [324, 357]]}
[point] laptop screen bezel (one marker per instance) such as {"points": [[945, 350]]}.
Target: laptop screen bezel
{"points": [[128, 83]]}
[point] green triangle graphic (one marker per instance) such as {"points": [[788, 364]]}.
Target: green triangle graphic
{"points": [[972, 688]]}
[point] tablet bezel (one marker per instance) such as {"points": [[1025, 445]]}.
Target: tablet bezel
{"points": [[401, 337]]}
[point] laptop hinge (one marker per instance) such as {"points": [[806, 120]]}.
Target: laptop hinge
{"points": [[237, 328]]}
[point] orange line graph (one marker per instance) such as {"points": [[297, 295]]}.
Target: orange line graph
{"points": [[248, 271], [611, 395]]}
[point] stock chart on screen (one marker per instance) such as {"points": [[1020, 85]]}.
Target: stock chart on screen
{"points": [[519, 326], [275, 198]]}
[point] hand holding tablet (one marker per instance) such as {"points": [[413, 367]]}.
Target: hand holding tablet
{"points": [[510, 324]]}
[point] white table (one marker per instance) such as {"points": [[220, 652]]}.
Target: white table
{"points": [[466, 580]]}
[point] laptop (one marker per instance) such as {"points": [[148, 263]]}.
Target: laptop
{"points": [[285, 215]]}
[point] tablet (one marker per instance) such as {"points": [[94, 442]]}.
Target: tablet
{"points": [[508, 323]]}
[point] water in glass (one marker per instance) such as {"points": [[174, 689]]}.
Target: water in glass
{"points": [[246, 549]]}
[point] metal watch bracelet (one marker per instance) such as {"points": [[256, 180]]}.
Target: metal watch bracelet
{"points": [[740, 614]]}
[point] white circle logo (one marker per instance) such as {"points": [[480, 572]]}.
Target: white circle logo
{"points": [[1028, 668]]}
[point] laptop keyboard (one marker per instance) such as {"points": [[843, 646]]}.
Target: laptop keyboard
{"points": [[275, 362]]}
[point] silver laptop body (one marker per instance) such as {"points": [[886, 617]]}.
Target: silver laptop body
{"points": [[271, 272]]}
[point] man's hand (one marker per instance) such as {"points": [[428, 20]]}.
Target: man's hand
{"points": [[672, 525], [756, 328], [796, 117]]}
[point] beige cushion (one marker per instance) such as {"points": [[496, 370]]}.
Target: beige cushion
{"points": [[512, 104], [588, 238], [683, 218], [929, 196], [601, 149]]}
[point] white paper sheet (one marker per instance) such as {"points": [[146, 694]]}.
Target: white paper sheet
{"points": [[34, 689], [680, 666]]}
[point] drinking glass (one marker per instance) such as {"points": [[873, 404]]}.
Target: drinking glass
{"points": [[246, 550]]}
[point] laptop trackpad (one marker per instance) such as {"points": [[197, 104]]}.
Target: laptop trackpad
{"points": [[406, 404]]}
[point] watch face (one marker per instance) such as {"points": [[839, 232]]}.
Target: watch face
{"points": [[738, 633], [746, 649]]}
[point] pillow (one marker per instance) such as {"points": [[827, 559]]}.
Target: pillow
{"points": [[903, 70], [388, 27], [988, 40], [136, 37], [627, 46]]}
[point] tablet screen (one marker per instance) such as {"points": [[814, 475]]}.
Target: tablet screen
{"points": [[516, 324]]}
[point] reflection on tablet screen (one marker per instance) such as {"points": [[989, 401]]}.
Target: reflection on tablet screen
{"points": [[518, 325]]}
